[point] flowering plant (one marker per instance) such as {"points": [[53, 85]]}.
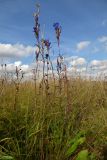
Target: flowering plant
{"points": [[37, 26], [58, 29]]}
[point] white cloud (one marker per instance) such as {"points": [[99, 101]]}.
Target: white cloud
{"points": [[15, 50], [25, 67], [71, 58], [98, 62], [82, 45], [103, 39], [11, 67], [99, 65], [17, 63], [74, 69], [95, 63], [78, 61]]}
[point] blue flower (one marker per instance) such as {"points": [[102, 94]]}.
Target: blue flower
{"points": [[56, 25]]}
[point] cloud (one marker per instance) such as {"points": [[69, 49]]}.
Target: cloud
{"points": [[103, 39], [73, 69], [15, 50], [71, 58], [12, 66], [11, 69], [75, 66], [93, 69], [17, 63], [82, 45], [99, 65], [95, 62], [25, 67], [78, 61]]}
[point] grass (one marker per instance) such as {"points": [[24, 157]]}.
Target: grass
{"points": [[44, 130], [63, 119]]}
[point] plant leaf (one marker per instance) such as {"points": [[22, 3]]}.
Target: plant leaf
{"points": [[74, 146], [72, 149], [81, 140], [6, 158], [82, 155]]}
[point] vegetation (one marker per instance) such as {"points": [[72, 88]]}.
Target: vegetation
{"points": [[60, 118]]}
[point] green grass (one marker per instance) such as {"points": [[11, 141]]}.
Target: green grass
{"points": [[53, 126]]}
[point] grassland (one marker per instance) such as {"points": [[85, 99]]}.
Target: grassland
{"points": [[61, 118], [53, 124]]}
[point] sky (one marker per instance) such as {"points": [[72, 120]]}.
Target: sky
{"points": [[83, 37]]}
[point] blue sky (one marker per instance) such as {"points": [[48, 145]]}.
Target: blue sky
{"points": [[84, 27]]}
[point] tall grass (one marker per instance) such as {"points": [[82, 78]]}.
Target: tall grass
{"points": [[44, 131], [52, 119]]}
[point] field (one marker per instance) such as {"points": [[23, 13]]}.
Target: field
{"points": [[55, 109], [54, 124]]}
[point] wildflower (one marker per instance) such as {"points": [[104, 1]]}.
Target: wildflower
{"points": [[56, 25], [36, 31], [47, 44], [37, 26], [58, 29]]}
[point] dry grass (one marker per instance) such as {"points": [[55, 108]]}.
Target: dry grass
{"points": [[43, 130]]}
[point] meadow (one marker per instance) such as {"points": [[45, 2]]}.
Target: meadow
{"points": [[54, 126], [55, 117]]}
